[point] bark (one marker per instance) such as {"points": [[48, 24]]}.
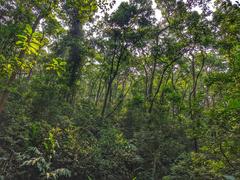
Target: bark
{"points": [[155, 55], [99, 90], [146, 81], [75, 58], [113, 74], [122, 97], [192, 96], [109, 85], [152, 79], [160, 84]]}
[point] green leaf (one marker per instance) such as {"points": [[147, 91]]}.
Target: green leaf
{"points": [[32, 50], [19, 42], [22, 36], [234, 104], [28, 29], [35, 46]]}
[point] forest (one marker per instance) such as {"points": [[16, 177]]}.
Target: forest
{"points": [[120, 89]]}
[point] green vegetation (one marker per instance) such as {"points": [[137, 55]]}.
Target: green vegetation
{"points": [[123, 96]]}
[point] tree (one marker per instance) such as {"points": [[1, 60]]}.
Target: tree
{"points": [[87, 93]]}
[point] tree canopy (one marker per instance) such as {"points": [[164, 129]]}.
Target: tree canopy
{"points": [[91, 94]]}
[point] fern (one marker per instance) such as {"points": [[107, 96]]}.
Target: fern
{"points": [[36, 159], [58, 173]]}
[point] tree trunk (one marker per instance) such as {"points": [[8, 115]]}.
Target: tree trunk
{"points": [[75, 57]]}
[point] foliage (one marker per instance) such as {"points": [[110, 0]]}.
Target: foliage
{"points": [[87, 93]]}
